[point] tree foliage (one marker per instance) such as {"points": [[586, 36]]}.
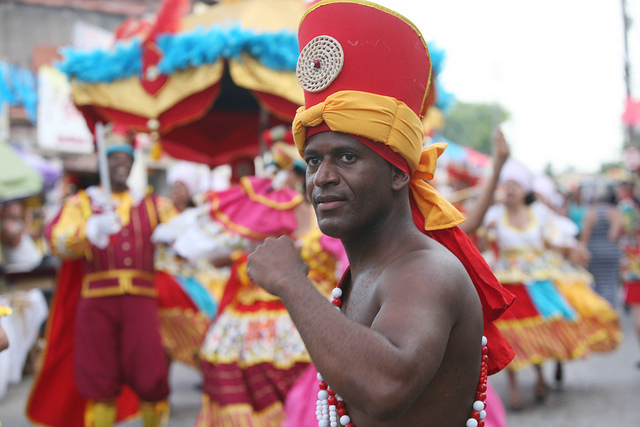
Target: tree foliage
{"points": [[472, 125]]}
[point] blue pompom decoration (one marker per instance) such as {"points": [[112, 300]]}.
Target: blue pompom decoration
{"points": [[122, 61], [278, 51], [444, 99], [437, 56], [19, 87]]}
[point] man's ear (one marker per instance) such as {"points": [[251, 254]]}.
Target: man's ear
{"points": [[400, 179]]}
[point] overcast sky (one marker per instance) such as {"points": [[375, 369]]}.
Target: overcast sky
{"points": [[555, 65]]}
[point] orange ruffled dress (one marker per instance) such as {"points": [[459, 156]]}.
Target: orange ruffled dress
{"points": [[556, 315]]}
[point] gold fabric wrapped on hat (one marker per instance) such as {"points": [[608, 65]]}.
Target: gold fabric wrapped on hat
{"points": [[391, 122]]}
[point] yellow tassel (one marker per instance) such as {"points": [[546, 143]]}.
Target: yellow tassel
{"points": [[100, 414], [155, 414], [156, 150]]}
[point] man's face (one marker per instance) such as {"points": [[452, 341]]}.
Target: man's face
{"points": [[349, 185], [120, 164]]}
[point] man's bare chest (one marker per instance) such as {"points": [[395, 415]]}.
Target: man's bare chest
{"points": [[360, 302]]}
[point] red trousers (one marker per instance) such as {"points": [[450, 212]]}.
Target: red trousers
{"points": [[118, 342]]}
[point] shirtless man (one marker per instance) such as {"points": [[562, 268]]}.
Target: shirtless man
{"points": [[412, 324], [405, 347]]}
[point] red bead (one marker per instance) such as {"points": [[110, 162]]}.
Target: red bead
{"points": [[336, 301], [331, 392], [481, 423], [482, 387], [316, 63], [349, 425], [485, 350], [332, 400], [485, 358], [323, 385], [340, 404], [475, 414], [342, 412]]}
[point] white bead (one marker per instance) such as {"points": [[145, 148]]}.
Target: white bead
{"points": [[153, 124], [478, 405], [319, 377], [337, 308], [484, 340], [333, 419], [344, 420], [472, 422], [333, 408], [483, 415], [323, 395], [336, 292], [334, 424], [323, 423]]}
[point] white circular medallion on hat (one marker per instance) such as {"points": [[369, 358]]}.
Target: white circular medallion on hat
{"points": [[319, 63]]}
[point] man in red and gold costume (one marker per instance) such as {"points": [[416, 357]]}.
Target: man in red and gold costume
{"points": [[104, 345]]}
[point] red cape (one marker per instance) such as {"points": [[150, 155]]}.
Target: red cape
{"points": [[55, 400], [494, 297]]}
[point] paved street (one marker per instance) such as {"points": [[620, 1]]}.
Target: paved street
{"points": [[603, 390]]}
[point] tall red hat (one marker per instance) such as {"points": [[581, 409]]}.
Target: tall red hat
{"points": [[362, 46]]}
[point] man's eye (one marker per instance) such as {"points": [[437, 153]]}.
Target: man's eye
{"points": [[348, 157], [313, 161]]}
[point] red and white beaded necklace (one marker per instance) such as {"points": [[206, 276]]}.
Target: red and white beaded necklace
{"points": [[330, 409]]}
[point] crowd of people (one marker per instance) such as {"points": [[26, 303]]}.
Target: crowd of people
{"points": [[333, 285]]}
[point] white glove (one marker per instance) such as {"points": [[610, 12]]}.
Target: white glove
{"points": [[194, 245], [178, 225], [100, 226], [100, 201], [163, 233]]}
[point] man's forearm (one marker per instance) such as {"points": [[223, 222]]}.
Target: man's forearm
{"points": [[359, 363]]}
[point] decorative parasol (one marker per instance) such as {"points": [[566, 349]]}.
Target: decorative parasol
{"points": [[205, 85]]}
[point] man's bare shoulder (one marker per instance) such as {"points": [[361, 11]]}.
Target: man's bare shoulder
{"points": [[427, 272], [430, 260]]}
